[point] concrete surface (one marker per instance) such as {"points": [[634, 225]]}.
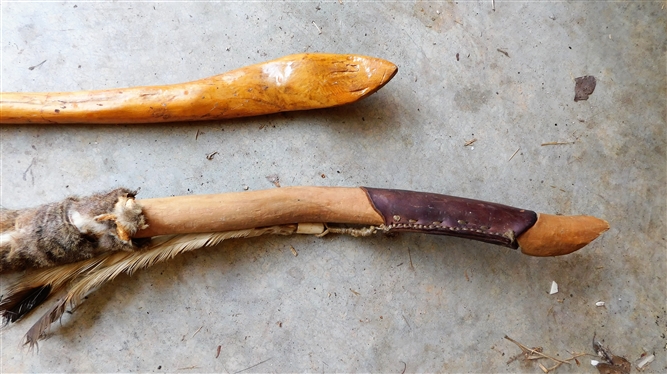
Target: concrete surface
{"points": [[382, 304]]}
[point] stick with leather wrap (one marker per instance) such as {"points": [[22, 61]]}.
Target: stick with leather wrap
{"points": [[296, 82], [164, 227]]}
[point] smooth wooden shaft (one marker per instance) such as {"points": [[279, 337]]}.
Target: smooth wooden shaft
{"points": [[296, 82], [244, 210]]}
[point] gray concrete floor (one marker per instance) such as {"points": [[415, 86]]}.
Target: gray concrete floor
{"points": [[419, 303]]}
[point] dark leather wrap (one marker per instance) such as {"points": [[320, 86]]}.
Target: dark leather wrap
{"points": [[450, 215]]}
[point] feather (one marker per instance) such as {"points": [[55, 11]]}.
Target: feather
{"points": [[40, 327], [109, 266], [22, 302], [33, 288]]}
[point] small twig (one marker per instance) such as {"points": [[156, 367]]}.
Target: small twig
{"points": [[217, 352], [554, 367], [188, 368], [196, 332], [556, 143], [253, 366], [503, 52], [514, 358], [355, 292], [319, 31], [197, 135], [534, 351], [294, 252], [209, 156], [537, 354], [545, 370], [469, 142], [412, 267], [405, 366], [514, 154]]}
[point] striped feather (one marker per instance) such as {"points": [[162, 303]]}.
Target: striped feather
{"points": [[107, 267]]}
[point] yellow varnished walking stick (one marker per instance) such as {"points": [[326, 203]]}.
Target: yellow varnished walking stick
{"points": [[296, 82]]}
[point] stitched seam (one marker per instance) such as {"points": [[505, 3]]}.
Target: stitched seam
{"points": [[435, 227]]}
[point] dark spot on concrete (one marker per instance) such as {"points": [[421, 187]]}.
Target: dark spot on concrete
{"points": [[584, 87]]}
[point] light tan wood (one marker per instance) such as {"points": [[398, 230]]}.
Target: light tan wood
{"points": [[559, 235], [244, 210], [296, 82]]}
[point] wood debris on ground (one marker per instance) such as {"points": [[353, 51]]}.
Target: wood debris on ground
{"points": [[470, 142], [560, 189], [536, 353], [556, 143], [294, 252], [209, 156], [319, 31], [644, 360]]}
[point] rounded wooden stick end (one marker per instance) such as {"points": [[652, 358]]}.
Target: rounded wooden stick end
{"points": [[559, 235]]}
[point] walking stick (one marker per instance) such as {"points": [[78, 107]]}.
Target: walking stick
{"points": [[297, 82], [91, 240]]}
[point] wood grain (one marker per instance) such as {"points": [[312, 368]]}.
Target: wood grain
{"points": [[295, 82], [244, 210], [559, 235]]}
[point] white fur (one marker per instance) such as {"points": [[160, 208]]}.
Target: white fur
{"points": [[6, 238], [86, 225]]}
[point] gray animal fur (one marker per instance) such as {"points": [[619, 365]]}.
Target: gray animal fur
{"points": [[73, 229]]}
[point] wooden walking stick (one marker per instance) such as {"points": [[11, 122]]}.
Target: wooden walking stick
{"points": [[91, 240], [297, 82]]}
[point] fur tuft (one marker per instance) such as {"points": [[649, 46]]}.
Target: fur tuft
{"points": [[74, 229]]}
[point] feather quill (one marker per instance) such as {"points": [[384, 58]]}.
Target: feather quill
{"points": [[107, 267]]}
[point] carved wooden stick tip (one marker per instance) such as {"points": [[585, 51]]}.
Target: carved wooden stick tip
{"points": [[559, 235]]}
